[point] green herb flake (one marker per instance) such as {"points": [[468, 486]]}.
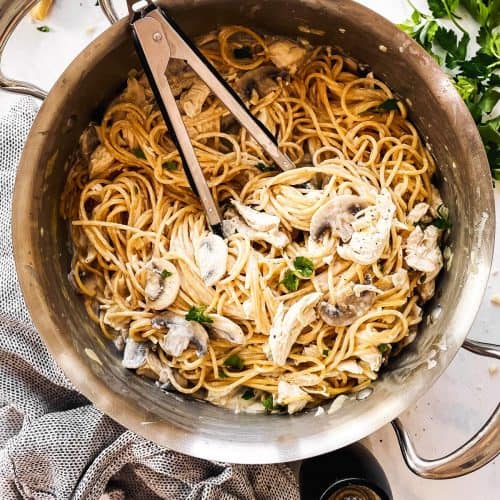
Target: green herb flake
{"points": [[43, 29], [165, 274], [248, 394], [196, 313], [244, 52], [235, 362], [170, 166], [304, 266], [442, 221], [268, 402], [265, 168], [389, 105], [422, 278], [290, 281], [383, 348], [223, 374], [326, 352], [139, 153]]}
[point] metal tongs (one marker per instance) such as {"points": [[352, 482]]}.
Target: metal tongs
{"points": [[158, 39]]}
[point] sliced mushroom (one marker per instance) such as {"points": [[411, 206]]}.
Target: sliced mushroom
{"points": [[100, 161], [180, 334], [180, 76], [134, 93], [337, 215], [234, 225], [400, 279], [423, 253], [372, 356], [320, 282], [191, 101], [351, 366], [303, 379], [286, 54], [162, 284], [260, 221], [170, 379], [292, 396], [262, 79], [152, 366], [286, 327], [134, 354], [89, 140], [371, 233], [347, 308], [226, 329], [211, 257]]}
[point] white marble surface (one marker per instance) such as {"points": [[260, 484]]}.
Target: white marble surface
{"points": [[453, 409]]}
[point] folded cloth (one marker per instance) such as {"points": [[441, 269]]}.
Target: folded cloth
{"points": [[53, 443]]}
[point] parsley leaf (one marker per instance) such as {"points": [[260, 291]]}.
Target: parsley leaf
{"points": [[291, 281], [248, 394], [43, 29], [442, 221], [443, 8], [196, 313], [223, 374], [139, 153], [235, 362], [467, 87], [170, 165], [383, 348], [268, 402], [477, 9], [265, 168], [326, 352], [244, 52], [304, 266], [389, 105], [165, 274]]}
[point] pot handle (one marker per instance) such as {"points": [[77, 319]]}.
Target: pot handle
{"points": [[11, 13], [109, 10], [483, 447]]}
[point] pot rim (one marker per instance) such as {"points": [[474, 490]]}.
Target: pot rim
{"points": [[135, 417]]}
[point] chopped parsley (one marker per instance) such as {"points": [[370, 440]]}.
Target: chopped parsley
{"points": [[326, 352], [422, 278], [139, 153], [268, 402], [265, 168], [476, 76], [304, 266], [165, 274], [43, 29], [442, 221], [170, 165], [383, 348], [244, 52], [389, 105], [223, 374], [248, 394], [290, 281], [197, 313], [235, 362]]}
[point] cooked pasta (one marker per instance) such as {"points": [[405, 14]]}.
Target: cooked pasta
{"points": [[323, 269]]}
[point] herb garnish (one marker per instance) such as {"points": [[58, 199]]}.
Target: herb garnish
{"points": [[477, 77], [43, 29], [244, 52], [291, 281], [248, 394], [170, 165], [268, 402], [223, 374], [422, 278], [303, 268], [326, 352], [196, 313], [234, 361], [442, 221], [389, 105], [265, 168], [383, 348], [165, 274], [139, 153]]}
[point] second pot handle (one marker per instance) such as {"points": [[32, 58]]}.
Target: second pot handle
{"points": [[483, 447], [109, 10], [11, 13]]}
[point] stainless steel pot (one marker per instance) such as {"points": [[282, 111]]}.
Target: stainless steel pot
{"points": [[195, 427]]}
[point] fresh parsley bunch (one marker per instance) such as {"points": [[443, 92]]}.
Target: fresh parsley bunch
{"points": [[476, 78]]}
